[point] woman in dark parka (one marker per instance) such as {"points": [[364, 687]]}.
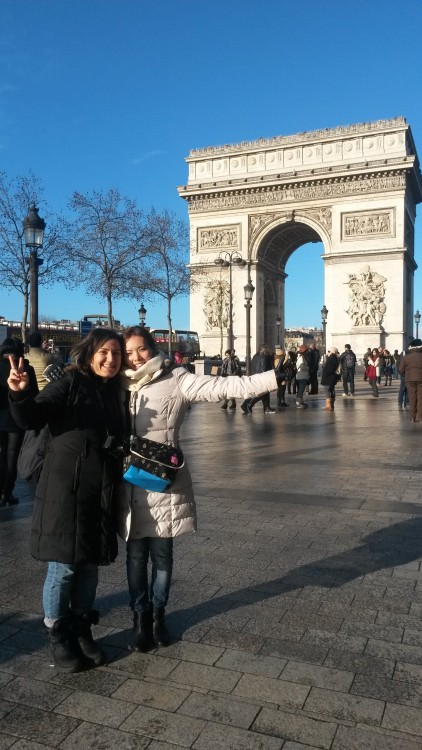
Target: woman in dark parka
{"points": [[330, 377], [74, 524]]}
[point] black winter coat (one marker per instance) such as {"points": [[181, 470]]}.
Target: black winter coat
{"points": [[7, 423], [74, 519], [329, 371]]}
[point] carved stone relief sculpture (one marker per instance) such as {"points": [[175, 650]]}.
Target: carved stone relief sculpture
{"points": [[366, 298], [218, 238], [368, 224], [217, 301]]}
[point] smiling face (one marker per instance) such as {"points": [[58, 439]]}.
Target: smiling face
{"points": [[107, 360], [137, 352]]}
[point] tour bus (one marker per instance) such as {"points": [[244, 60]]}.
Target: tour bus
{"points": [[186, 342]]}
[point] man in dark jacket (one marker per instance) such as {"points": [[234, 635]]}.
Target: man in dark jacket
{"points": [[314, 357], [411, 367], [262, 361], [348, 366], [230, 366]]}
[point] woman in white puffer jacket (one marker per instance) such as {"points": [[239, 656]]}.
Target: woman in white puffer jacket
{"points": [[148, 521]]}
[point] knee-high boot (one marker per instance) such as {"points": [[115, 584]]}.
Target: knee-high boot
{"points": [[142, 626], [159, 631], [82, 626]]}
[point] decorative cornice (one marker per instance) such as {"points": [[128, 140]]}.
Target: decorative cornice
{"points": [[311, 135], [273, 195], [360, 168]]}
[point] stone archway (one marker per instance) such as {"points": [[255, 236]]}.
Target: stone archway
{"points": [[353, 188]]}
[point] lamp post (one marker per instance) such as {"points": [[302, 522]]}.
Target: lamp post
{"points": [[324, 313], [278, 323], [248, 290], [228, 260], [142, 315], [33, 230], [417, 317]]}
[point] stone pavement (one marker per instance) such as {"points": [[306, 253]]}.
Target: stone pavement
{"points": [[297, 606]]}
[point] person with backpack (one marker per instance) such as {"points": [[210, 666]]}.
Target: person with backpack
{"points": [[348, 367], [74, 520]]}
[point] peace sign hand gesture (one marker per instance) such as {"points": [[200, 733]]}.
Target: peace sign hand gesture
{"points": [[18, 379]]}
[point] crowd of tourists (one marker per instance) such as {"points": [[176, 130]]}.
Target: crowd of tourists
{"points": [[297, 371]]}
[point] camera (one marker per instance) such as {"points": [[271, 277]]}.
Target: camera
{"points": [[114, 448]]}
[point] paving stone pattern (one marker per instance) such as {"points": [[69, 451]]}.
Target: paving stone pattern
{"points": [[296, 609]]}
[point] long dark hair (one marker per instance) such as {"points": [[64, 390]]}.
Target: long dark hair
{"points": [[81, 354], [140, 331]]}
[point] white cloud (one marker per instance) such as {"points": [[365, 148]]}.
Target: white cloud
{"points": [[145, 157]]}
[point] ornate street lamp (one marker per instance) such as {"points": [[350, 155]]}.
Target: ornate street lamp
{"points": [[142, 315], [324, 314], [33, 230], [278, 324], [248, 291], [228, 260], [417, 317]]}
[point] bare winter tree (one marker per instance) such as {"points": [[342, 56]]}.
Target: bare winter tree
{"points": [[16, 195], [110, 246], [168, 240]]}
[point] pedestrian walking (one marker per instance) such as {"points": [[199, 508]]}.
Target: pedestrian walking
{"points": [[330, 376], [281, 359], [348, 367], [302, 375], [230, 367], [372, 372], [314, 358], [411, 367]]}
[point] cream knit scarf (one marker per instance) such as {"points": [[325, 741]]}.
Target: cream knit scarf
{"points": [[133, 380]]}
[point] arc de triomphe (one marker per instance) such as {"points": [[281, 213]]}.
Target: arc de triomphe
{"points": [[353, 188]]}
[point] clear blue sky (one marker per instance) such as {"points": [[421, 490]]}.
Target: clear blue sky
{"points": [[97, 94]]}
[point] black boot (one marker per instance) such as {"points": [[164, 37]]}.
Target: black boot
{"points": [[142, 626], [82, 625], [63, 647], [159, 631]]}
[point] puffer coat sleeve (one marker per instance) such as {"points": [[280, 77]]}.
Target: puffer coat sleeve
{"points": [[157, 412]]}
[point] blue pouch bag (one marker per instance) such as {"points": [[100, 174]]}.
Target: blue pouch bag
{"points": [[152, 466]]}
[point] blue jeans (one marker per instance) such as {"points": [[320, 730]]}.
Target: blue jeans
{"points": [[138, 552], [349, 377], [69, 587], [301, 385]]}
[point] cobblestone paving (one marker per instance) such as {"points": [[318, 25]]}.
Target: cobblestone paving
{"points": [[296, 608]]}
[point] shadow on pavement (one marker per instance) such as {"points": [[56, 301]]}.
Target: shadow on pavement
{"points": [[386, 548]]}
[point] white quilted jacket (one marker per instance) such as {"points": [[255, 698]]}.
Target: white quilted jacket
{"points": [[159, 408]]}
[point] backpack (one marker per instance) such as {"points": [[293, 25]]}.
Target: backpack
{"points": [[35, 445], [349, 360]]}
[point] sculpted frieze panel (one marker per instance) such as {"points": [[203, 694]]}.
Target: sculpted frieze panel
{"points": [[219, 238], [366, 297], [275, 195], [367, 224]]}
